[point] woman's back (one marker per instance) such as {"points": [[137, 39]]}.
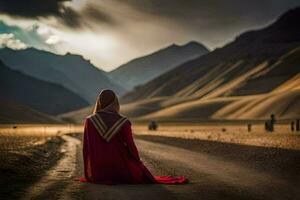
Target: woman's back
{"points": [[114, 161], [109, 153]]}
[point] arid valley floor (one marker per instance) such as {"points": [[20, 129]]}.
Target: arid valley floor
{"points": [[221, 162]]}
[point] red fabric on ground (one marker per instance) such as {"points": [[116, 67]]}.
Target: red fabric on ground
{"points": [[117, 161]]}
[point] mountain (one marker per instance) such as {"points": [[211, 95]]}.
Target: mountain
{"points": [[71, 71], [255, 75], [143, 69], [40, 95], [16, 113]]}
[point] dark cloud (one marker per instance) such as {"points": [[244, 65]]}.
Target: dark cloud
{"points": [[41, 8], [214, 13], [97, 14], [70, 18], [212, 9], [141, 26], [214, 21], [31, 8], [57, 8], [194, 14]]}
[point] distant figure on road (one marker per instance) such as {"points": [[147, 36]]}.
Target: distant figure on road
{"points": [[152, 126], [269, 125], [297, 124], [292, 126], [272, 122], [109, 153], [249, 127]]}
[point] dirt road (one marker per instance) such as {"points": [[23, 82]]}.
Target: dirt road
{"points": [[215, 171]]}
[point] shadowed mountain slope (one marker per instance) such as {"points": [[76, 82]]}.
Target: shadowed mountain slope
{"points": [[40, 95], [260, 68], [15, 113], [71, 71]]}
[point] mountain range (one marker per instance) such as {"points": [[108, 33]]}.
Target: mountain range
{"points": [[71, 71], [256, 75], [42, 96], [45, 83], [146, 68]]}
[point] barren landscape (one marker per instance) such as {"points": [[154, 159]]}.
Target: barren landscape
{"points": [[211, 89], [220, 160]]}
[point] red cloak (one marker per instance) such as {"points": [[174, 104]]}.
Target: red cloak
{"points": [[110, 155]]}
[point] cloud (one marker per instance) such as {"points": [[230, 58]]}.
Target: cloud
{"points": [[53, 39], [36, 9], [97, 14], [134, 27], [33, 35], [197, 16], [9, 40], [32, 8]]}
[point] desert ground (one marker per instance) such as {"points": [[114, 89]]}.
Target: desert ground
{"points": [[221, 161]]}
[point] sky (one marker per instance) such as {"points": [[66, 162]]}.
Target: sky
{"points": [[112, 32]]}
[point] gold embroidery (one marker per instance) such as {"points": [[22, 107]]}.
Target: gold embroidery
{"points": [[110, 134], [97, 126], [102, 128], [101, 122]]}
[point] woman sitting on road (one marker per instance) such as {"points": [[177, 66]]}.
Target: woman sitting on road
{"points": [[109, 153]]}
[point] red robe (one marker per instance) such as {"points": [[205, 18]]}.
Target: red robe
{"points": [[116, 161]]}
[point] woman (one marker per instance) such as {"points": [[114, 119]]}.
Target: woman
{"points": [[109, 153]]}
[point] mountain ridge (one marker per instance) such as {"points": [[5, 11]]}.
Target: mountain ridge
{"points": [[256, 63], [144, 68], [255, 75], [49, 98], [72, 71]]}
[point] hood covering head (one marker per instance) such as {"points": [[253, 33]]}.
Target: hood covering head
{"points": [[107, 101]]}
